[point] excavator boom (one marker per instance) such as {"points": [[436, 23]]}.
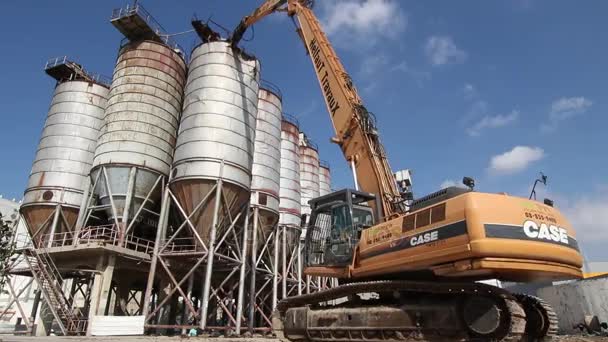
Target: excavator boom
{"points": [[354, 126]]}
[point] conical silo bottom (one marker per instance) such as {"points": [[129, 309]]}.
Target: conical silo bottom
{"points": [[118, 182], [39, 219], [190, 193]]}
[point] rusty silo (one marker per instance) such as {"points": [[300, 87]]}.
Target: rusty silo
{"points": [[65, 153], [324, 178], [290, 208], [309, 172], [137, 140], [267, 158], [217, 132]]}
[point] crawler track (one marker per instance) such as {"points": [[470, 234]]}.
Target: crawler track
{"points": [[429, 311], [541, 322]]}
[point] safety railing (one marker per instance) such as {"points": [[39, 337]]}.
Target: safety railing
{"points": [[53, 62], [139, 10], [183, 246], [105, 234], [95, 77]]}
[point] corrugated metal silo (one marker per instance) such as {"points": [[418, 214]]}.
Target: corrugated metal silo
{"points": [[64, 156], [290, 208], [217, 131], [138, 137], [267, 157], [309, 172], [324, 178]]}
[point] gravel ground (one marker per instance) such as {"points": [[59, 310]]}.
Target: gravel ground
{"points": [[220, 339]]}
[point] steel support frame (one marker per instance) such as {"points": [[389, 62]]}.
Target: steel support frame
{"points": [[15, 299], [225, 253], [294, 282], [264, 273]]}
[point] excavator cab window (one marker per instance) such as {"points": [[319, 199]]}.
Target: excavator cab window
{"points": [[335, 227]]}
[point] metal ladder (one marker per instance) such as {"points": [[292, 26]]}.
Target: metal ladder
{"points": [[49, 280]]}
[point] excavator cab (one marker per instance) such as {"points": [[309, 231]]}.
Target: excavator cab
{"points": [[334, 229]]}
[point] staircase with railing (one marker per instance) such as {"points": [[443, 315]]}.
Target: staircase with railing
{"points": [[44, 270]]}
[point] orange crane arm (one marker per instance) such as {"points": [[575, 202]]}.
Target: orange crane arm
{"points": [[354, 126]]}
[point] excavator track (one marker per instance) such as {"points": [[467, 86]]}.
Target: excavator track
{"points": [[541, 320], [405, 310]]}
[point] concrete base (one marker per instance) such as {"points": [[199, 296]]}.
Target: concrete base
{"points": [[575, 301]]}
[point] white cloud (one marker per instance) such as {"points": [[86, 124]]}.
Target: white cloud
{"points": [[564, 109], [420, 76], [469, 91], [489, 122], [374, 67], [372, 64], [442, 50], [478, 108], [363, 22], [518, 159], [589, 217]]}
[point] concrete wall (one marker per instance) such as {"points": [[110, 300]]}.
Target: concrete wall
{"points": [[575, 300]]}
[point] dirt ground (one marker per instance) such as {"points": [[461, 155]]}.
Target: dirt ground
{"points": [[201, 339]]}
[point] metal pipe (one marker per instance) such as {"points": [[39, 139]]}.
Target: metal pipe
{"points": [[275, 271], [299, 251], [211, 251], [284, 261], [241, 293], [254, 248], [352, 166]]}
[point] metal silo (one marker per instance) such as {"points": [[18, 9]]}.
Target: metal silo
{"points": [[64, 157], [309, 172], [265, 172], [324, 178], [135, 148], [217, 132], [290, 208]]}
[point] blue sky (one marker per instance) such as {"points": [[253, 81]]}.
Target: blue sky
{"points": [[494, 90]]}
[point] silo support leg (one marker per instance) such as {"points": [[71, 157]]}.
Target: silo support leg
{"points": [[254, 256], [284, 261], [275, 271], [160, 235], [241, 290], [211, 252]]}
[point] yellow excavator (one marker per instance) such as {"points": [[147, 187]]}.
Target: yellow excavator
{"points": [[420, 258]]}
